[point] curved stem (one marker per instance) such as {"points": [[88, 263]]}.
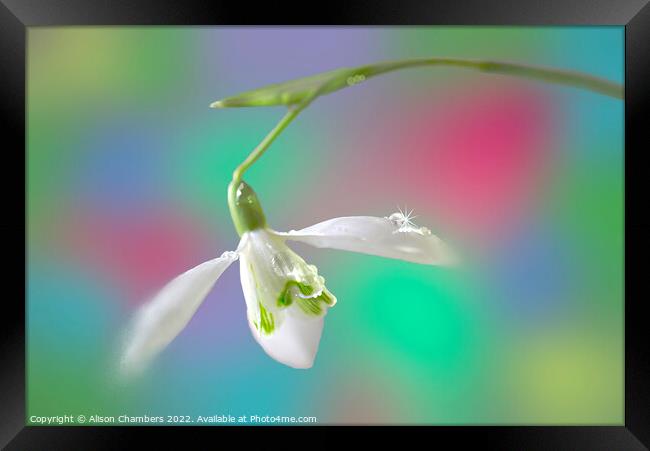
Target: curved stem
{"points": [[295, 92], [266, 142], [551, 75]]}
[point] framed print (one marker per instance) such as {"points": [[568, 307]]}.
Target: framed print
{"points": [[415, 217]]}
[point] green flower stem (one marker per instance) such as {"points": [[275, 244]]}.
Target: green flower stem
{"points": [[266, 142], [546, 74], [295, 92], [298, 94], [245, 208]]}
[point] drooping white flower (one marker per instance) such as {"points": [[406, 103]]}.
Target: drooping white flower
{"points": [[286, 298]]}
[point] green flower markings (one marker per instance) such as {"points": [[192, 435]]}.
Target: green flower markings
{"points": [[293, 291], [286, 298]]}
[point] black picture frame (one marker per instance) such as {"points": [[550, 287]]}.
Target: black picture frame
{"points": [[17, 15]]}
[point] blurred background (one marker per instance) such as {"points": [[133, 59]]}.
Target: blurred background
{"points": [[126, 188]]}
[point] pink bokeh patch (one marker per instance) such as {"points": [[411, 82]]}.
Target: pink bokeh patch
{"points": [[475, 158], [138, 253]]}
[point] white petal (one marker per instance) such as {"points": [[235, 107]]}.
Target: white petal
{"points": [[269, 267], [296, 342], [376, 236], [286, 299], [166, 315]]}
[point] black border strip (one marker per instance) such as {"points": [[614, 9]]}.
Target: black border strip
{"points": [[358, 12], [637, 354]]}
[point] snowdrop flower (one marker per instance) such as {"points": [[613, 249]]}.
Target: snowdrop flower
{"points": [[286, 298]]}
